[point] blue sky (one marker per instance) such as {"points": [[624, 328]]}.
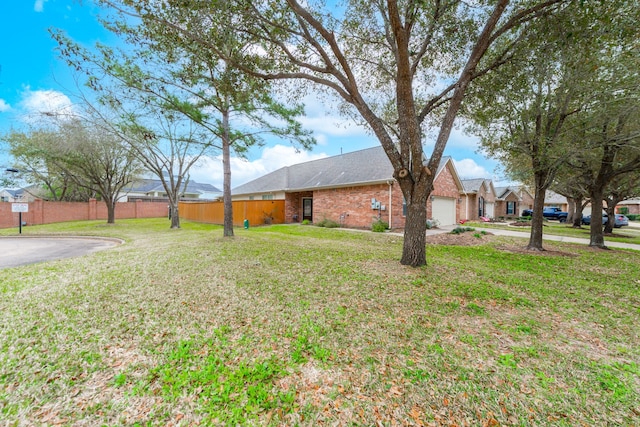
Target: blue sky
{"points": [[33, 79]]}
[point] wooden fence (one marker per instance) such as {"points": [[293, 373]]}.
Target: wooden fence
{"points": [[257, 212]]}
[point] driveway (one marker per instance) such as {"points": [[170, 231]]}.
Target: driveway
{"points": [[16, 251]]}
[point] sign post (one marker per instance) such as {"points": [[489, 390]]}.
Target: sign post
{"points": [[20, 207]]}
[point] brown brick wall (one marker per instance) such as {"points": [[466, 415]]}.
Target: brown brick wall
{"points": [[633, 209], [526, 201], [501, 206], [293, 205], [351, 206], [488, 195], [44, 212]]}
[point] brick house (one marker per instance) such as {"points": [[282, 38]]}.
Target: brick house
{"points": [[353, 189], [478, 199], [629, 206], [512, 200], [508, 202], [149, 189], [553, 199]]}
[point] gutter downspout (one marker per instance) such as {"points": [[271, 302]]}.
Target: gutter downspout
{"points": [[390, 200], [466, 206]]}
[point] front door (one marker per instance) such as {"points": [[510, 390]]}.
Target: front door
{"points": [[307, 209]]}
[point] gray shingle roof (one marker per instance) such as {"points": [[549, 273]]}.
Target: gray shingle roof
{"points": [[553, 197], [15, 192], [361, 167], [472, 185], [151, 185]]}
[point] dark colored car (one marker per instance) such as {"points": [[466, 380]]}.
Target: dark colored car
{"points": [[549, 213], [621, 220]]}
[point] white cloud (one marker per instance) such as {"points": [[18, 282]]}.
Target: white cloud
{"points": [[4, 107], [209, 169], [38, 104], [332, 126], [469, 169], [459, 139], [39, 5]]}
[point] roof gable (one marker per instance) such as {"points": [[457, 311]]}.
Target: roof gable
{"points": [[472, 185]]}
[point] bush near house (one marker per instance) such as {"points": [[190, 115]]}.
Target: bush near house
{"points": [[379, 226]]}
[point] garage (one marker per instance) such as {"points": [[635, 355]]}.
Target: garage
{"points": [[443, 209], [489, 210]]}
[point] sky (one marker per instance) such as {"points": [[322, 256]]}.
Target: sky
{"points": [[33, 79]]}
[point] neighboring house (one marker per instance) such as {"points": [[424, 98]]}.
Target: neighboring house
{"points": [[147, 189], [478, 200], [353, 189], [526, 198], [555, 200], [629, 206], [508, 202], [16, 195]]}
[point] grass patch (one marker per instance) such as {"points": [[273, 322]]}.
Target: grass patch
{"points": [[293, 325]]}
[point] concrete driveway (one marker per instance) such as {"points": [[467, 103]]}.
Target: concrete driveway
{"points": [[23, 250]]}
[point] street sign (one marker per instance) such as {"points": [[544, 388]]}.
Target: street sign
{"points": [[20, 207]]}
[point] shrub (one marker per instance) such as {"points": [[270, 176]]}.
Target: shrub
{"points": [[633, 217], [379, 226], [432, 223], [328, 223], [306, 222], [460, 230]]}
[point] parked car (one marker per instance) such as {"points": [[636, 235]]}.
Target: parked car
{"points": [[621, 220], [549, 213]]}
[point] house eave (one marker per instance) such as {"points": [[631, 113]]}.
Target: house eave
{"points": [[319, 187], [345, 185]]}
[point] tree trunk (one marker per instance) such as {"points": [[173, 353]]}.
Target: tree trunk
{"points": [[226, 183], [597, 235], [537, 219], [415, 238], [111, 210], [611, 213], [571, 210], [577, 216], [174, 214]]}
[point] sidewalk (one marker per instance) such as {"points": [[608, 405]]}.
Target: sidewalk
{"points": [[526, 234]]}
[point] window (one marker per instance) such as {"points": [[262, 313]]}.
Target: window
{"points": [[404, 206], [480, 206], [267, 197], [251, 197], [511, 208]]}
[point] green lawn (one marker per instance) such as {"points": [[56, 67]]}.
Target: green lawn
{"points": [[300, 325]]}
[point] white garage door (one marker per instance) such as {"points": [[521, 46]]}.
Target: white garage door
{"points": [[444, 210], [489, 210]]}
